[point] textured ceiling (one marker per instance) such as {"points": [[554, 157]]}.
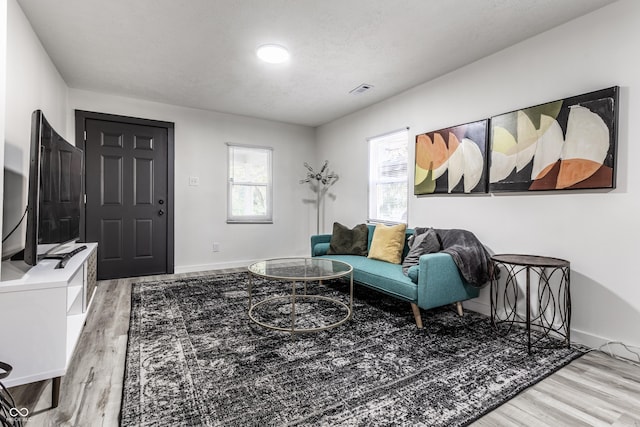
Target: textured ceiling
{"points": [[201, 53]]}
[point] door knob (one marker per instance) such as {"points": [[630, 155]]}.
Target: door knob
{"points": [[160, 212]]}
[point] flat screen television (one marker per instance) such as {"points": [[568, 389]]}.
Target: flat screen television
{"points": [[54, 198]]}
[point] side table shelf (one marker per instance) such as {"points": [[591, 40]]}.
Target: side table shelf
{"points": [[546, 305]]}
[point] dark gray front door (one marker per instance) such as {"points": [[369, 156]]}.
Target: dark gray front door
{"points": [[127, 207]]}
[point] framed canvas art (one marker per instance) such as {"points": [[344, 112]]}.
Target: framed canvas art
{"points": [[452, 160], [562, 145]]}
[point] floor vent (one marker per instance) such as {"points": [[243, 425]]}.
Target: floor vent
{"points": [[361, 89]]}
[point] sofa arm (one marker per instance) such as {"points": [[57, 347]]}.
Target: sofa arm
{"points": [[440, 282], [320, 244]]}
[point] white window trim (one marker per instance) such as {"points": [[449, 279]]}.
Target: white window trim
{"points": [[250, 219], [371, 220]]}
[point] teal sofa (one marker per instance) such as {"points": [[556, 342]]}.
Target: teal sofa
{"points": [[435, 282]]}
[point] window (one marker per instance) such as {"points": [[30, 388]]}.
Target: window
{"points": [[388, 177], [249, 190]]}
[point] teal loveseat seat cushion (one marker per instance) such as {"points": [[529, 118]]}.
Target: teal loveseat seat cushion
{"points": [[380, 275]]}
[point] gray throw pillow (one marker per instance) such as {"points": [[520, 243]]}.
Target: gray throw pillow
{"points": [[416, 232], [346, 241], [425, 242]]}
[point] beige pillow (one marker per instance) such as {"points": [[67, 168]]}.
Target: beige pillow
{"points": [[387, 243]]}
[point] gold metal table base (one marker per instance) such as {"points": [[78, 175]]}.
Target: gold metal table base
{"points": [[294, 301], [300, 270]]}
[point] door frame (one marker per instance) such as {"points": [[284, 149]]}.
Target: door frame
{"points": [[80, 125]]}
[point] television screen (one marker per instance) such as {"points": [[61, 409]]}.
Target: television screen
{"points": [[55, 191]]}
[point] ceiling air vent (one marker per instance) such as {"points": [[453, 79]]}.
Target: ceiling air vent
{"points": [[360, 89]]}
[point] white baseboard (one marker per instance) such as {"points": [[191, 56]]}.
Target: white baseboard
{"points": [[214, 266], [589, 340], [607, 345], [220, 265], [477, 306]]}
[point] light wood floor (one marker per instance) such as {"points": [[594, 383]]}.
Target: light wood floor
{"points": [[595, 390]]}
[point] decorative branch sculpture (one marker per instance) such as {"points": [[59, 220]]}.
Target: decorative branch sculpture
{"points": [[320, 183]]}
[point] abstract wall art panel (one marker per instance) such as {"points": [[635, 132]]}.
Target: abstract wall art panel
{"points": [[452, 160], [562, 145]]}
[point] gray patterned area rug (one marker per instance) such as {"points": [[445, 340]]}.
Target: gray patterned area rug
{"points": [[194, 358]]}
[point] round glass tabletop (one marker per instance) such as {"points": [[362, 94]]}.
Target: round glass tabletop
{"points": [[300, 268]]}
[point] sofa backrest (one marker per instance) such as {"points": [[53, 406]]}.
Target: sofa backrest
{"points": [[408, 232]]}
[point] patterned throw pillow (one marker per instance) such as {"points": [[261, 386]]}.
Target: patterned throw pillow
{"points": [[346, 241], [388, 242]]}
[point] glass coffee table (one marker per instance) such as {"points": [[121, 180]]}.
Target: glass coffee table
{"points": [[296, 271]]}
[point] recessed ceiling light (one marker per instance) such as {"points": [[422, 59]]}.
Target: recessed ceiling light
{"points": [[273, 53]]}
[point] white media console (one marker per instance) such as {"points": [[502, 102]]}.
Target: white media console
{"points": [[42, 313]]}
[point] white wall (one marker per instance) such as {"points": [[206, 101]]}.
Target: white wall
{"points": [[3, 65], [597, 231], [32, 82], [200, 150]]}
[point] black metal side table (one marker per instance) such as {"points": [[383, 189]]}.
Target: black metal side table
{"points": [[550, 316]]}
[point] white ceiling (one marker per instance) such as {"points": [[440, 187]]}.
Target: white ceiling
{"points": [[201, 53]]}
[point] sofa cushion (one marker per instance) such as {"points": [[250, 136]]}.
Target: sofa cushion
{"points": [[381, 276], [420, 244], [387, 243], [346, 241]]}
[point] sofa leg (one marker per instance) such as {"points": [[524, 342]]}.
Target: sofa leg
{"points": [[459, 307], [416, 315]]}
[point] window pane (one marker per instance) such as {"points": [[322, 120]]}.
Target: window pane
{"points": [[250, 165], [388, 157], [249, 186], [249, 200], [393, 163], [392, 201]]}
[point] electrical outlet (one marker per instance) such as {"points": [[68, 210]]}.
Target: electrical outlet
{"points": [[216, 247], [194, 181]]}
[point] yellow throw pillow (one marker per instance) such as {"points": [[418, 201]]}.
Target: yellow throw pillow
{"points": [[387, 243]]}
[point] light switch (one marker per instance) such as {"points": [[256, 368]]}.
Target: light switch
{"points": [[194, 181]]}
